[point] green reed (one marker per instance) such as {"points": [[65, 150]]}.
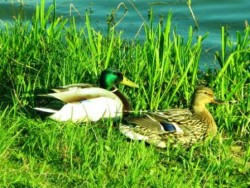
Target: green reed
{"points": [[233, 77]]}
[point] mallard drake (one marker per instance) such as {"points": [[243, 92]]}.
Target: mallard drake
{"points": [[175, 126], [84, 102]]}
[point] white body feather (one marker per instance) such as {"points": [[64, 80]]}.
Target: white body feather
{"points": [[99, 104]]}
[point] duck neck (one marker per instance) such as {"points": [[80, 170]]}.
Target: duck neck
{"points": [[126, 104], [205, 116]]}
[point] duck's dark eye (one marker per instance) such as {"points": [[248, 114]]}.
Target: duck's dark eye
{"points": [[209, 94]]}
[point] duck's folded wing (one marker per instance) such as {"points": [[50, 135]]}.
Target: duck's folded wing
{"points": [[173, 115], [78, 94], [141, 127], [72, 87], [182, 120], [144, 123]]}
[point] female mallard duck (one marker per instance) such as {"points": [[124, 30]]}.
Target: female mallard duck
{"points": [[83, 102], [176, 126]]}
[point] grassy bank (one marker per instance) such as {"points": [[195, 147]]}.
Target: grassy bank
{"points": [[51, 51]]}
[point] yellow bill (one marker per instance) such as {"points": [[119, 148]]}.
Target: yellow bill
{"points": [[128, 82]]}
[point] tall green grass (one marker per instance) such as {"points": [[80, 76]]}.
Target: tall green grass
{"points": [[51, 51]]}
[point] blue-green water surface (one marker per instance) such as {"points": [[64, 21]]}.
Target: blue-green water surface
{"points": [[211, 15]]}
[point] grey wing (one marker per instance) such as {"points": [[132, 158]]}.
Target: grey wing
{"points": [[71, 87], [143, 128], [145, 123]]}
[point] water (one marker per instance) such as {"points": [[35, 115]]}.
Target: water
{"points": [[211, 15]]}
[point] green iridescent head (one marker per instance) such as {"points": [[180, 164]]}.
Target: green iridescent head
{"points": [[110, 78]]}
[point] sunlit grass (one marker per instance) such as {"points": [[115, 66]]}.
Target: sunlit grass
{"points": [[51, 51]]}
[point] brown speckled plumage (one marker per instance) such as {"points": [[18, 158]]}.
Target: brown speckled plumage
{"points": [[176, 126]]}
